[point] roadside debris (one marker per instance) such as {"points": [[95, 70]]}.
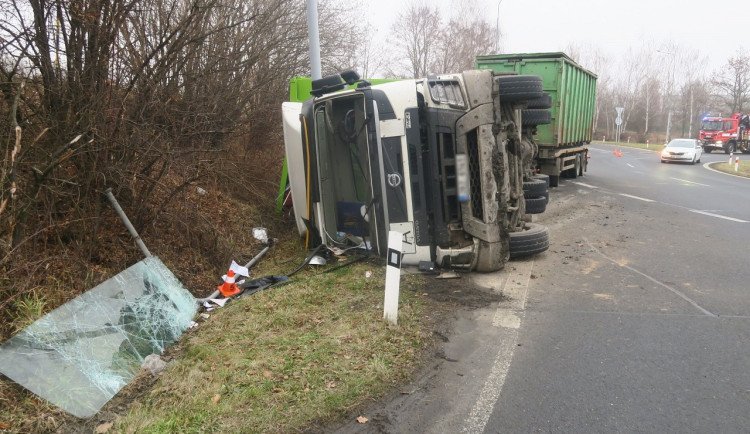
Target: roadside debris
{"points": [[81, 354], [154, 364], [229, 287]]}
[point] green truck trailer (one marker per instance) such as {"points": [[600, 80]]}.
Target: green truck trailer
{"points": [[562, 142]]}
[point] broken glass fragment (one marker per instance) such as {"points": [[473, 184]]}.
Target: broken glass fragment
{"points": [[81, 354]]}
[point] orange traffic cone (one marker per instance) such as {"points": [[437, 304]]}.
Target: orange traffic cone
{"points": [[229, 288], [619, 152], [614, 152]]}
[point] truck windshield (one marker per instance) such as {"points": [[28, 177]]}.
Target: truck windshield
{"points": [[343, 162], [711, 126]]}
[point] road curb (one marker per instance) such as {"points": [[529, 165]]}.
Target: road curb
{"points": [[708, 166]]}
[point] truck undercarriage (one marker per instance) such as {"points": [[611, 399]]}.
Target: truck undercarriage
{"points": [[442, 160]]}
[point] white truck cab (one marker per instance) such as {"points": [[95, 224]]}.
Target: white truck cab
{"points": [[439, 159]]}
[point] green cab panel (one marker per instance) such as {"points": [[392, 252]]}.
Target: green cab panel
{"points": [[300, 87], [571, 88]]}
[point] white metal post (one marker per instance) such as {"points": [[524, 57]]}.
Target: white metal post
{"points": [[314, 37], [392, 277]]}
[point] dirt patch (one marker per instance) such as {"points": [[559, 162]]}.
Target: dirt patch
{"points": [[462, 292]]}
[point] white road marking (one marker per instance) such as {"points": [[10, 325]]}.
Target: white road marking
{"points": [[719, 216], [676, 292], [516, 289], [636, 197], [690, 182], [629, 164], [507, 316], [585, 185]]}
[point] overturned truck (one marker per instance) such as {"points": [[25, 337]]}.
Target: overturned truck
{"points": [[447, 161]]}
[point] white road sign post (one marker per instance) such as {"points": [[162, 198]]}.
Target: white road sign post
{"points": [[618, 122], [392, 277]]}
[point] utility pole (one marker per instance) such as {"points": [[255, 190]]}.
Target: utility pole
{"points": [[314, 37], [497, 29]]}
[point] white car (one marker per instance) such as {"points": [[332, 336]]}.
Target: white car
{"points": [[688, 150]]}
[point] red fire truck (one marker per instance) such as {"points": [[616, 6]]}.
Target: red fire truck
{"points": [[730, 134]]}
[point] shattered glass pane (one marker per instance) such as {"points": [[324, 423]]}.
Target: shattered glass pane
{"points": [[82, 353]]}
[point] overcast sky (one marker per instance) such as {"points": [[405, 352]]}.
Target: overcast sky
{"points": [[610, 26]]}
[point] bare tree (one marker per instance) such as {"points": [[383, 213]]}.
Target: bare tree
{"points": [[465, 36], [342, 35], [692, 91], [414, 37], [143, 96], [370, 58], [595, 61], [732, 83]]}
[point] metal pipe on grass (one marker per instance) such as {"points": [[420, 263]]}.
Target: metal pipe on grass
{"points": [[126, 222]]}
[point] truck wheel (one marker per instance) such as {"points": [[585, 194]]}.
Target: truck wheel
{"points": [[530, 241], [543, 102], [554, 180], [536, 205], [707, 150], [543, 177], [534, 188], [730, 148], [514, 88], [533, 117]]}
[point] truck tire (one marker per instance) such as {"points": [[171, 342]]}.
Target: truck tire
{"points": [[534, 188], [513, 88], [530, 241], [543, 102], [730, 148], [543, 177], [533, 117], [536, 205]]}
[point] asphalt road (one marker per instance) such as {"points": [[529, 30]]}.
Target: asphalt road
{"points": [[637, 319], [643, 324]]}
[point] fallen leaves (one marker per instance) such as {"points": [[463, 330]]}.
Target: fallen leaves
{"points": [[362, 419], [103, 428], [216, 398]]}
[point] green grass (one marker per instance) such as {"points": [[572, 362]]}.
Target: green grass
{"points": [[743, 168], [309, 352], [27, 310]]}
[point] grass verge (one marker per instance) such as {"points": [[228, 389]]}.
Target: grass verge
{"points": [[306, 353], [743, 168]]}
